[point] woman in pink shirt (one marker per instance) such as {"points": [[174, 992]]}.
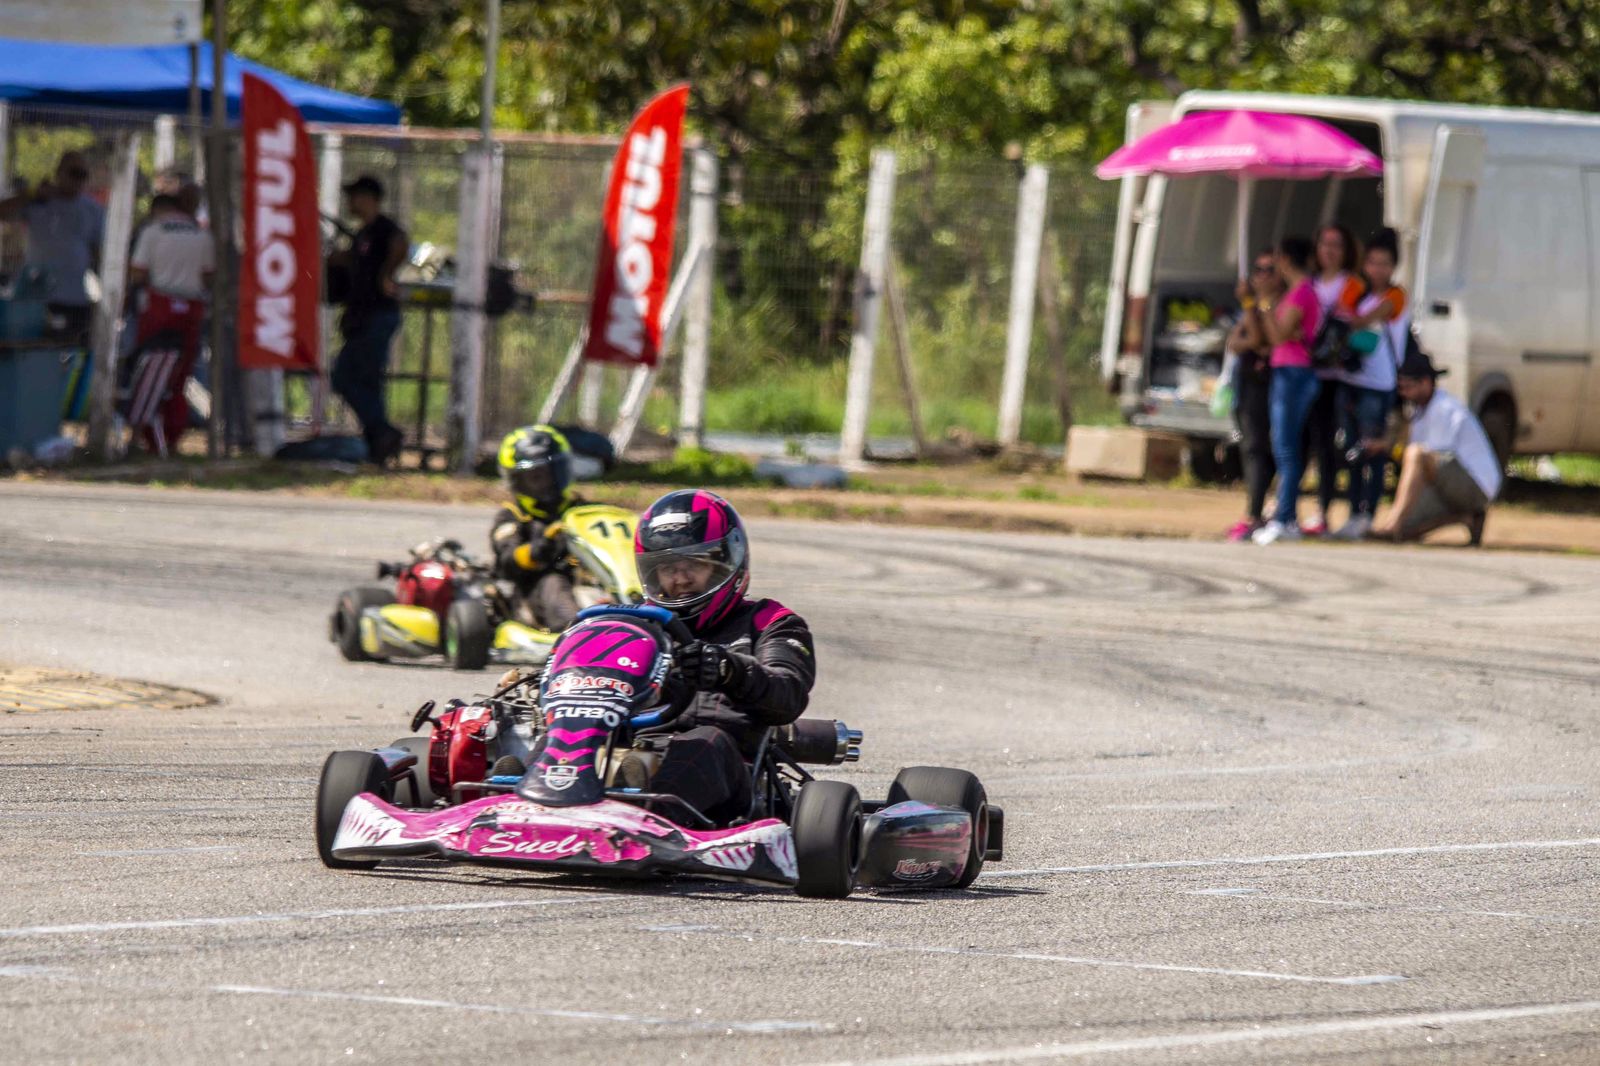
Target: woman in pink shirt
{"points": [[1290, 325]]}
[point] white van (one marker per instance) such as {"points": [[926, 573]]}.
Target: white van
{"points": [[1498, 211]]}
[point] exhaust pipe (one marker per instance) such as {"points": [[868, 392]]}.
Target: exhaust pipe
{"points": [[821, 741]]}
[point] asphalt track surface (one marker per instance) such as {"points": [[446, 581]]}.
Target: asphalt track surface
{"points": [[1301, 805]]}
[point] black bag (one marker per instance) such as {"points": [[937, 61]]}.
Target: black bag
{"points": [[1330, 348]]}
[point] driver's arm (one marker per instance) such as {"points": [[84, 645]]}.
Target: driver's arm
{"points": [[509, 534], [773, 685]]}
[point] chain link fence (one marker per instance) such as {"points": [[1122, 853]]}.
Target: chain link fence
{"points": [[784, 279]]}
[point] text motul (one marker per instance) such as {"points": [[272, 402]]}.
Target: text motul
{"points": [[636, 230], [275, 263]]}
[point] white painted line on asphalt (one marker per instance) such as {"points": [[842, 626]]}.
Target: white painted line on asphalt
{"points": [[159, 851], [1313, 856], [1024, 956], [1224, 1037], [1408, 908], [289, 916], [763, 1025]]}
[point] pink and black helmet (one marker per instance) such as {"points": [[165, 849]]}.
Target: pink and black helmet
{"points": [[686, 526]]}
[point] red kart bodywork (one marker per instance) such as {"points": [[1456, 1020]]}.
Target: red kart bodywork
{"points": [[427, 584]]}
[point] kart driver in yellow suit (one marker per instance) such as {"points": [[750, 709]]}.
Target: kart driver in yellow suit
{"points": [[529, 549]]}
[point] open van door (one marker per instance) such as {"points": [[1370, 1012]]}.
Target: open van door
{"points": [[1144, 117], [1453, 179]]}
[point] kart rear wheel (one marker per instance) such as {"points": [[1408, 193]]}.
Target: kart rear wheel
{"points": [[346, 621], [467, 635], [346, 775], [423, 794], [827, 839], [940, 786]]}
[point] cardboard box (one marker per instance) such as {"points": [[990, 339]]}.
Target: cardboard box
{"points": [[1124, 452]]}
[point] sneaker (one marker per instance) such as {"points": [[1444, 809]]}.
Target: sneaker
{"points": [[1355, 529], [507, 766], [1273, 532], [1317, 527], [632, 773], [1240, 531]]}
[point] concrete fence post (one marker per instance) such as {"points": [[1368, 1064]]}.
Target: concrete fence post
{"points": [[107, 322], [697, 313], [476, 228], [330, 180], [1031, 213], [870, 284]]}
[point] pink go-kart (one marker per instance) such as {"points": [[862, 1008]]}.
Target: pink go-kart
{"points": [[599, 697]]}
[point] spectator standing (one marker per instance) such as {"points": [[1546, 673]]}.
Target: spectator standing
{"points": [[65, 231], [371, 316], [1368, 391], [1290, 324], [1338, 290], [1449, 472], [1248, 342], [173, 260]]}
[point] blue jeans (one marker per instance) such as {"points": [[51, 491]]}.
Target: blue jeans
{"points": [[1294, 390], [1366, 416], [359, 372]]}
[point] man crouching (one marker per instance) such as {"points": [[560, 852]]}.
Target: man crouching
{"points": [[1449, 472]]}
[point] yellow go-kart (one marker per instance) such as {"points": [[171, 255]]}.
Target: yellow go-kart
{"points": [[446, 603]]}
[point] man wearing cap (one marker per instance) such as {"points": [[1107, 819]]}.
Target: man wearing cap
{"points": [[1449, 472], [371, 316], [65, 230]]}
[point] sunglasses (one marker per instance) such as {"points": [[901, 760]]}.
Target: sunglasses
{"points": [[76, 173]]}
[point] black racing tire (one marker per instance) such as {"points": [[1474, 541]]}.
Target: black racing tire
{"points": [[1208, 461], [423, 796], [345, 776], [940, 786], [827, 839], [347, 619], [467, 634]]}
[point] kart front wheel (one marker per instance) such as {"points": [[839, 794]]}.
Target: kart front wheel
{"points": [[827, 839], [346, 622], [940, 786], [345, 776], [467, 635], [416, 790]]}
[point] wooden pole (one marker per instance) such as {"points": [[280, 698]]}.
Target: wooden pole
{"points": [[221, 235], [1054, 335], [901, 329]]}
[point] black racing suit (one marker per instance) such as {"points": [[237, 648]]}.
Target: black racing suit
{"points": [[544, 588], [775, 666]]}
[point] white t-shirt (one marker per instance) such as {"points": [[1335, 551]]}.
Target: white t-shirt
{"points": [[64, 237], [1378, 366], [177, 253], [1445, 425]]}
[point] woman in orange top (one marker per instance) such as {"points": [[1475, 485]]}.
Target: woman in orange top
{"points": [[1339, 288], [1369, 389]]}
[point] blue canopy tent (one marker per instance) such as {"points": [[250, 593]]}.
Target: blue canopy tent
{"points": [[156, 80]]}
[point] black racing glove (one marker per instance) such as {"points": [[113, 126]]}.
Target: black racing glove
{"points": [[707, 667]]}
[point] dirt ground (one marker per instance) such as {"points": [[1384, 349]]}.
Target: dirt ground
{"points": [[973, 495]]}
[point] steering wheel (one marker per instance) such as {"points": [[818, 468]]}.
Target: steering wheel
{"points": [[670, 623]]}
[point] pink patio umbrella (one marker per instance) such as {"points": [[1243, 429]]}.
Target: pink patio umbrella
{"points": [[1248, 145]]}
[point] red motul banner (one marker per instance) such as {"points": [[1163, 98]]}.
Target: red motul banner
{"points": [[280, 272], [630, 280]]}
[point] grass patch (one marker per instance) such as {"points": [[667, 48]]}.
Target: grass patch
{"points": [[692, 466]]}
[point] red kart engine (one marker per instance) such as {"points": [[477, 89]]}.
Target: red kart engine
{"points": [[457, 752]]}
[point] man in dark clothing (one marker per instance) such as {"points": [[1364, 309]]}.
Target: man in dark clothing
{"points": [[751, 666], [371, 316], [529, 551]]}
